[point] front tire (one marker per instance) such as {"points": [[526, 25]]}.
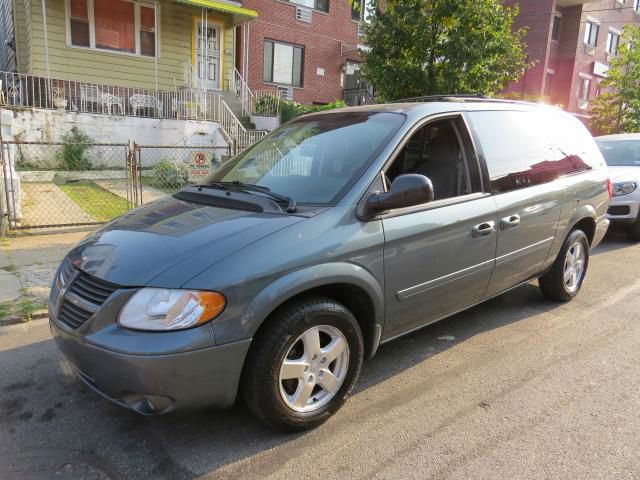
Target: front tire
{"points": [[563, 282], [303, 364]]}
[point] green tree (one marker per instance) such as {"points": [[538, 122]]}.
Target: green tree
{"points": [[429, 47], [617, 109]]}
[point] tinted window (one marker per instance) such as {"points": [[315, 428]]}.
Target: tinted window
{"points": [[577, 150], [524, 149], [315, 158], [621, 152]]}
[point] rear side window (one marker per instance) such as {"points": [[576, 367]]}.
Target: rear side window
{"points": [[578, 150], [524, 149]]}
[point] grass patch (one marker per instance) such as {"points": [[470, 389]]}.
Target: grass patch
{"points": [[5, 309], [25, 308], [101, 204], [167, 188]]}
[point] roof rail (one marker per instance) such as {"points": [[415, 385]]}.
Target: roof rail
{"points": [[456, 97], [461, 98]]}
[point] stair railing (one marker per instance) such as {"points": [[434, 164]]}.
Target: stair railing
{"points": [[243, 92]]}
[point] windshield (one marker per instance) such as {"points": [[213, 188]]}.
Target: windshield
{"points": [[621, 153], [313, 159]]}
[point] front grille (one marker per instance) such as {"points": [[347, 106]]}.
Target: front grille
{"points": [[84, 295], [619, 210]]}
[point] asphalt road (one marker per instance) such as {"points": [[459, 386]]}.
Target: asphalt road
{"points": [[516, 388]]}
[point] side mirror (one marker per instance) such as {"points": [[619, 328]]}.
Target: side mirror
{"points": [[406, 191]]}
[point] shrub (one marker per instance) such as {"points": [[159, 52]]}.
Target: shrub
{"points": [[169, 175], [71, 154], [268, 106], [290, 110]]}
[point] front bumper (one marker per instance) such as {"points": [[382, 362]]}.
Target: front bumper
{"points": [[624, 209], [156, 384]]}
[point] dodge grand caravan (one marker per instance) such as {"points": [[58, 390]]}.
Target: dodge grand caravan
{"points": [[340, 231]]}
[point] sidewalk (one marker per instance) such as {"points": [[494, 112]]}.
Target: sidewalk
{"points": [[27, 266]]}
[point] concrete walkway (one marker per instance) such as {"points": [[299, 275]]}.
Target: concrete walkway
{"points": [[46, 204], [28, 264], [9, 283], [119, 187]]}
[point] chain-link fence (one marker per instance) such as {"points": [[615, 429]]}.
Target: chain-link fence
{"points": [[166, 169], [75, 184], [64, 184]]}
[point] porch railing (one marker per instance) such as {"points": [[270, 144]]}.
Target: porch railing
{"points": [[84, 97], [188, 102]]}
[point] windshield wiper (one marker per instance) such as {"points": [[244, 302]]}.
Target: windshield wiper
{"points": [[249, 187]]}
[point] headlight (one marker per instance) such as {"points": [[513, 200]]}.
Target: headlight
{"points": [[160, 309], [624, 188]]}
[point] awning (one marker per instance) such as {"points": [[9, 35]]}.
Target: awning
{"points": [[239, 14]]}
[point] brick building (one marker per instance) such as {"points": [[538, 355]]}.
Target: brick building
{"points": [[306, 48], [571, 43]]}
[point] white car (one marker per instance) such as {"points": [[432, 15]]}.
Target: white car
{"points": [[622, 154]]}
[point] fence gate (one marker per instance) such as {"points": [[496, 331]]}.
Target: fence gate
{"points": [[51, 185]]}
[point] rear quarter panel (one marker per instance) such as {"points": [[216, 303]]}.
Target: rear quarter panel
{"points": [[585, 196]]}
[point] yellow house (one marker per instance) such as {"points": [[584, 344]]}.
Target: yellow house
{"points": [[145, 44]]}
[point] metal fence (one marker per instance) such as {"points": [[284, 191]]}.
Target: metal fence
{"points": [[187, 102], [50, 185], [164, 170], [20, 90]]}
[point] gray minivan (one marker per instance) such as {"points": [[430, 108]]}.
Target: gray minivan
{"points": [[336, 233]]}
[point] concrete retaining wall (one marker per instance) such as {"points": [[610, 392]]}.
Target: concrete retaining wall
{"points": [[51, 125]]}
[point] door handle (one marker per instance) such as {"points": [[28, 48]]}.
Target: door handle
{"points": [[509, 222], [485, 229]]}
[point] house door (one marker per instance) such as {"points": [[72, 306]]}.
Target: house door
{"points": [[207, 55], [356, 90]]}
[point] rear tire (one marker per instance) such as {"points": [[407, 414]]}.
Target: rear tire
{"points": [[563, 282], [303, 364]]}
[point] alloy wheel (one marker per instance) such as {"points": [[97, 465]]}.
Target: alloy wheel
{"points": [[574, 264], [314, 368]]}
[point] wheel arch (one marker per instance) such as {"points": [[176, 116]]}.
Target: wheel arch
{"points": [[353, 286], [588, 226]]}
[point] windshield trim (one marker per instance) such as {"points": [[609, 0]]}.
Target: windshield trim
{"points": [[230, 163]]}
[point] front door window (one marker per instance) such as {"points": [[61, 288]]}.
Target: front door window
{"points": [[207, 56]]}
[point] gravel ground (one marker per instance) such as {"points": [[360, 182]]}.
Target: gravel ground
{"points": [[516, 388]]}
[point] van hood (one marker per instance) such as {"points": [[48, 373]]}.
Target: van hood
{"points": [[168, 242], [623, 173]]}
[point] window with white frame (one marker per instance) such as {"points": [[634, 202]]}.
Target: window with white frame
{"points": [[613, 42], [360, 11], [115, 25], [322, 5], [283, 63], [584, 85], [591, 33]]}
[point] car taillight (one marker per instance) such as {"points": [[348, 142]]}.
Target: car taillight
{"points": [[610, 188]]}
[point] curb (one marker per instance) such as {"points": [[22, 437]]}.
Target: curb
{"points": [[38, 315]]}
